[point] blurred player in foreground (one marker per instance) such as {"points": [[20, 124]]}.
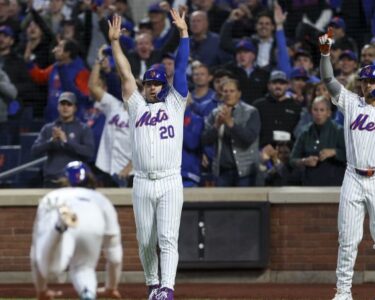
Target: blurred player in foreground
{"points": [[71, 226], [358, 189]]}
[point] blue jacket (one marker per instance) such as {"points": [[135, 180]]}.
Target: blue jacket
{"points": [[191, 148]]}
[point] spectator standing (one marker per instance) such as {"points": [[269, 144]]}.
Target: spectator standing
{"points": [[216, 15], [191, 147], [347, 66], [114, 154], [202, 78], [204, 44], [277, 110], [68, 73], [252, 79], [341, 39], [63, 140], [321, 148], [234, 129], [16, 69]]}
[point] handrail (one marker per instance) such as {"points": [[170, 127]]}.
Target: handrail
{"points": [[23, 167]]}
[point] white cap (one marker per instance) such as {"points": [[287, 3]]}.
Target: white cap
{"points": [[281, 136]]}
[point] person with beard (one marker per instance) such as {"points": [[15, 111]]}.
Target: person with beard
{"points": [[277, 110]]}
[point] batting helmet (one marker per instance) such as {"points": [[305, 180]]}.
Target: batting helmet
{"points": [[77, 173], [157, 73], [367, 72]]}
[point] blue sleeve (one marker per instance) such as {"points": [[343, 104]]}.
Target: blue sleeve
{"points": [[182, 58], [283, 60]]}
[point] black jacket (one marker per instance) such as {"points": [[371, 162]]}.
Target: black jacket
{"points": [[276, 115]]}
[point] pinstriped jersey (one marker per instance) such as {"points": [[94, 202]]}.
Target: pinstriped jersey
{"points": [[156, 131], [359, 129]]}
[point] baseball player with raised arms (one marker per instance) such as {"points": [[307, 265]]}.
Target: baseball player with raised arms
{"points": [[358, 188], [72, 225], [156, 124]]}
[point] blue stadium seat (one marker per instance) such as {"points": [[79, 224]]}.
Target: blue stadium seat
{"points": [[26, 141], [10, 157]]}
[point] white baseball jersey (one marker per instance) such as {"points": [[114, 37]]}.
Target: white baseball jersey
{"points": [[114, 151], [357, 192], [156, 135], [359, 129], [79, 248], [156, 132]]}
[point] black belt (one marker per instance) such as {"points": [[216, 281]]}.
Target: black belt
{"points": [[366, 173]]}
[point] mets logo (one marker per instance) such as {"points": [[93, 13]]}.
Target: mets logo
{"points": [[367, 71], [152, 74]]}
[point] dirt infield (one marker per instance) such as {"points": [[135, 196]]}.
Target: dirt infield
{"points": [[215, 291]]}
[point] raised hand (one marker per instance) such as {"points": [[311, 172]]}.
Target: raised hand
{"points": [[325, 42], [179, 21], [114, 31], [278, 15]]}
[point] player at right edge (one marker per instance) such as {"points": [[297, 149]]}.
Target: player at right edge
{"points": [[156, 131], [358, 188]]}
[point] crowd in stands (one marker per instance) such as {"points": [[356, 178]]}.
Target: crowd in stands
{"points": [[257, 112]]}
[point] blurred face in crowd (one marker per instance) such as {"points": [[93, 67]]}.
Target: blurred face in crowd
{"points": [[321, 90], [66, 110], [277, 88], [56, 6], [338, 32], [6, 43], [201, 76], [367, 55], [33, 31], [4, 9], [367, 86], [245, 58], [14, 9], [347, 66], [143, 45], [264, 27], [151, 89], [157, 17], [298, 84], [320, 111], [231, 93], [169, 66], [198, 23], [218, 85], [68, 32], [304, 62], [121, 7]]}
